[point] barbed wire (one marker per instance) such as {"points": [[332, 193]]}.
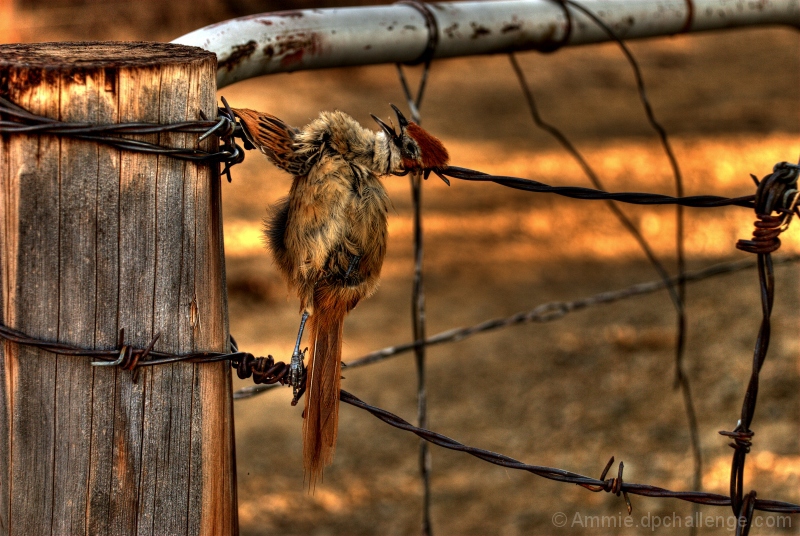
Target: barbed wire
{"points": [[227, 128], [579, 192], [677, 292], [776, 193], [612, 485], [274, 372], [547, 312], [262, 369], [14, 119]]}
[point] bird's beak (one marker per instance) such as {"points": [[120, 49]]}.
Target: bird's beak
{"points": [[386, 128], [401, 119]]}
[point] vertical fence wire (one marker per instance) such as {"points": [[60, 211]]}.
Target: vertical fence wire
{"points": [[681, 377], [677, 291], [418, 304]]}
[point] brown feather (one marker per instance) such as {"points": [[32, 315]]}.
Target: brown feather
{"points": [[321, 423], [274, 138]]}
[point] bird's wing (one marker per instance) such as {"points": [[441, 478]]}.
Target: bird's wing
{"points": [[277, 140]]}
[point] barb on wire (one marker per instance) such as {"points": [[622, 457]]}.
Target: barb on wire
{"points": [[577, 192], [777, 192], [262, 369], [681, 377], [612, 485], [16, 120], [547, 312], [677, 293]]}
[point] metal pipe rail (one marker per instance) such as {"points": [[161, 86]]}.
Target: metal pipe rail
{"points": [[287, 41]]}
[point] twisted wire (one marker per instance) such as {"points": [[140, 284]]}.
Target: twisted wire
{"points": [[17, 121], [777, 192], [547, 312], [613, 485], [765, 236], [578, 192], [677, 292]]}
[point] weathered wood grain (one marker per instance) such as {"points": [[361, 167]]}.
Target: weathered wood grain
{"points": [[32, 301], [5, 389], [76, 312], [94, 240], [106, 322]]}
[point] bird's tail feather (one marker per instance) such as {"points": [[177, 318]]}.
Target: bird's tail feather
{"points": [[321, 423]]}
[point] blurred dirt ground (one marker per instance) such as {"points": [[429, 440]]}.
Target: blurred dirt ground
{"points": [[567, 394]]}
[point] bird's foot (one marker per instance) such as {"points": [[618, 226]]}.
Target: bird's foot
{"points": [[297, 374], [297, 370]]}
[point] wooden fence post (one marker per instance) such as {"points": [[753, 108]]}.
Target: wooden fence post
{"points": [[94, 240]]}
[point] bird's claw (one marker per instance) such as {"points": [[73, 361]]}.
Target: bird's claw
{"points": [[297, 374]]}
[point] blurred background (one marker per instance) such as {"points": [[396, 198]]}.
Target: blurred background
{"points": [[567, 394]]}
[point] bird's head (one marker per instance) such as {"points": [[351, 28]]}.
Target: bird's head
{"points": [[417, 149]]}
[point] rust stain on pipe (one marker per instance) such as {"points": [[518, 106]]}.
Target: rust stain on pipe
{"points": [[239, 53], [292, 48], [479, 30]]}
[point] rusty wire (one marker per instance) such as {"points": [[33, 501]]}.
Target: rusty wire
{"points": [[677, 292], [612, 485], [16, 120], [776, 193], [578, 192], [547, 312], [268, 371], [263, 370]]}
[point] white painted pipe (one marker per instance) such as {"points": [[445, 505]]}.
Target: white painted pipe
{"points": [[319, 38]]}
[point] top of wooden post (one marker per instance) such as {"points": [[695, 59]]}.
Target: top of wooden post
{"points": [[94, 54], [25, 66]]}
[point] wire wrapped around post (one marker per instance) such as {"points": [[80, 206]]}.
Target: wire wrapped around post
{"points": [[14, 119]]}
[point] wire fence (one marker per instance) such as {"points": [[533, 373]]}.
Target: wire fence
{"points": [[775, 203], [544, 313]]}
